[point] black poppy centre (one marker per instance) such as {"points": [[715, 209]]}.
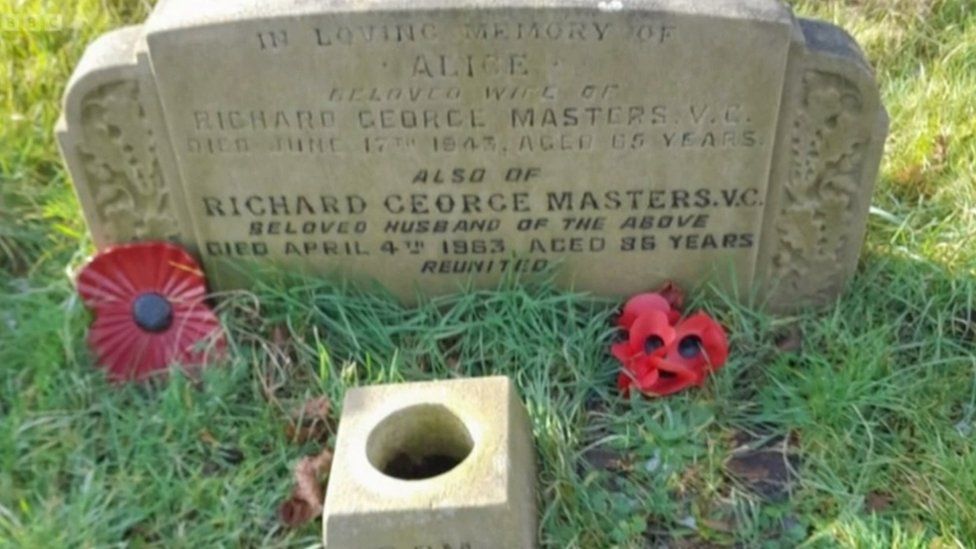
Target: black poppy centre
{"points": [[689, 346], [152, 312], [653, 343]]}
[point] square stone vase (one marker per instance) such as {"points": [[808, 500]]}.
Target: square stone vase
{"points": [[444, 464]]}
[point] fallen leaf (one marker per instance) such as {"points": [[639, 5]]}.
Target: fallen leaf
{"points": [[207, 438], [940, 153], [767, 472], [673, 294], [722, 524], [789, 340], [313, 409], [280, 336], [690, 481], [740, 439], [878, 501], [310, 421], [300, 434], [306, 498], [607, 460], [913, 182]]}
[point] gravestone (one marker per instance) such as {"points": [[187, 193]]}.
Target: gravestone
{"points": [[446, 464], [431, 144]]}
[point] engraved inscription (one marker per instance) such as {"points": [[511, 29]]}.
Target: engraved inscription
{"points": [[463, 144]]}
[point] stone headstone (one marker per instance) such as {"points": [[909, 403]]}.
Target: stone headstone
{"points": [[446, 464], [430, 144]]}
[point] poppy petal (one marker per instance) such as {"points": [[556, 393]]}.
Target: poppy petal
{"points": [[650, 377], [678, 370], [625, 380], [100, 286], [640, 304], [634, 371], [651, 324], [621, 351], [670, 386], [121, 272], [670, 378], [712, 339]]}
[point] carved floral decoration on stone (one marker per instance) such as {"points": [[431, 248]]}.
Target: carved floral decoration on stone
{"points": [[149, 303], [663, 353]]}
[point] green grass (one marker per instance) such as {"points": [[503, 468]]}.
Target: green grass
{"points": [[875, 414]]}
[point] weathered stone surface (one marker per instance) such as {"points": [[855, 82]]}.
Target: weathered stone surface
{"points": [[428, 144], [437, 464]]}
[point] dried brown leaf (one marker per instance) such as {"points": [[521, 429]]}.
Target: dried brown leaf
{"points": [[608, 460], [878, 501], [940, 154], [280, 336], [673, 294], [300, 434], [790, 340], [913, 182], [310, 420], [207, 438], [724, 525], [313, 409], [306, 498], [767, 472]]}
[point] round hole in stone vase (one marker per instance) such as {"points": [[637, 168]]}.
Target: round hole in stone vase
{"points": [[419, 442]]}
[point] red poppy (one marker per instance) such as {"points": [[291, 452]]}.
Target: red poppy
{"points": [[662, 354], [148, 301]]}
